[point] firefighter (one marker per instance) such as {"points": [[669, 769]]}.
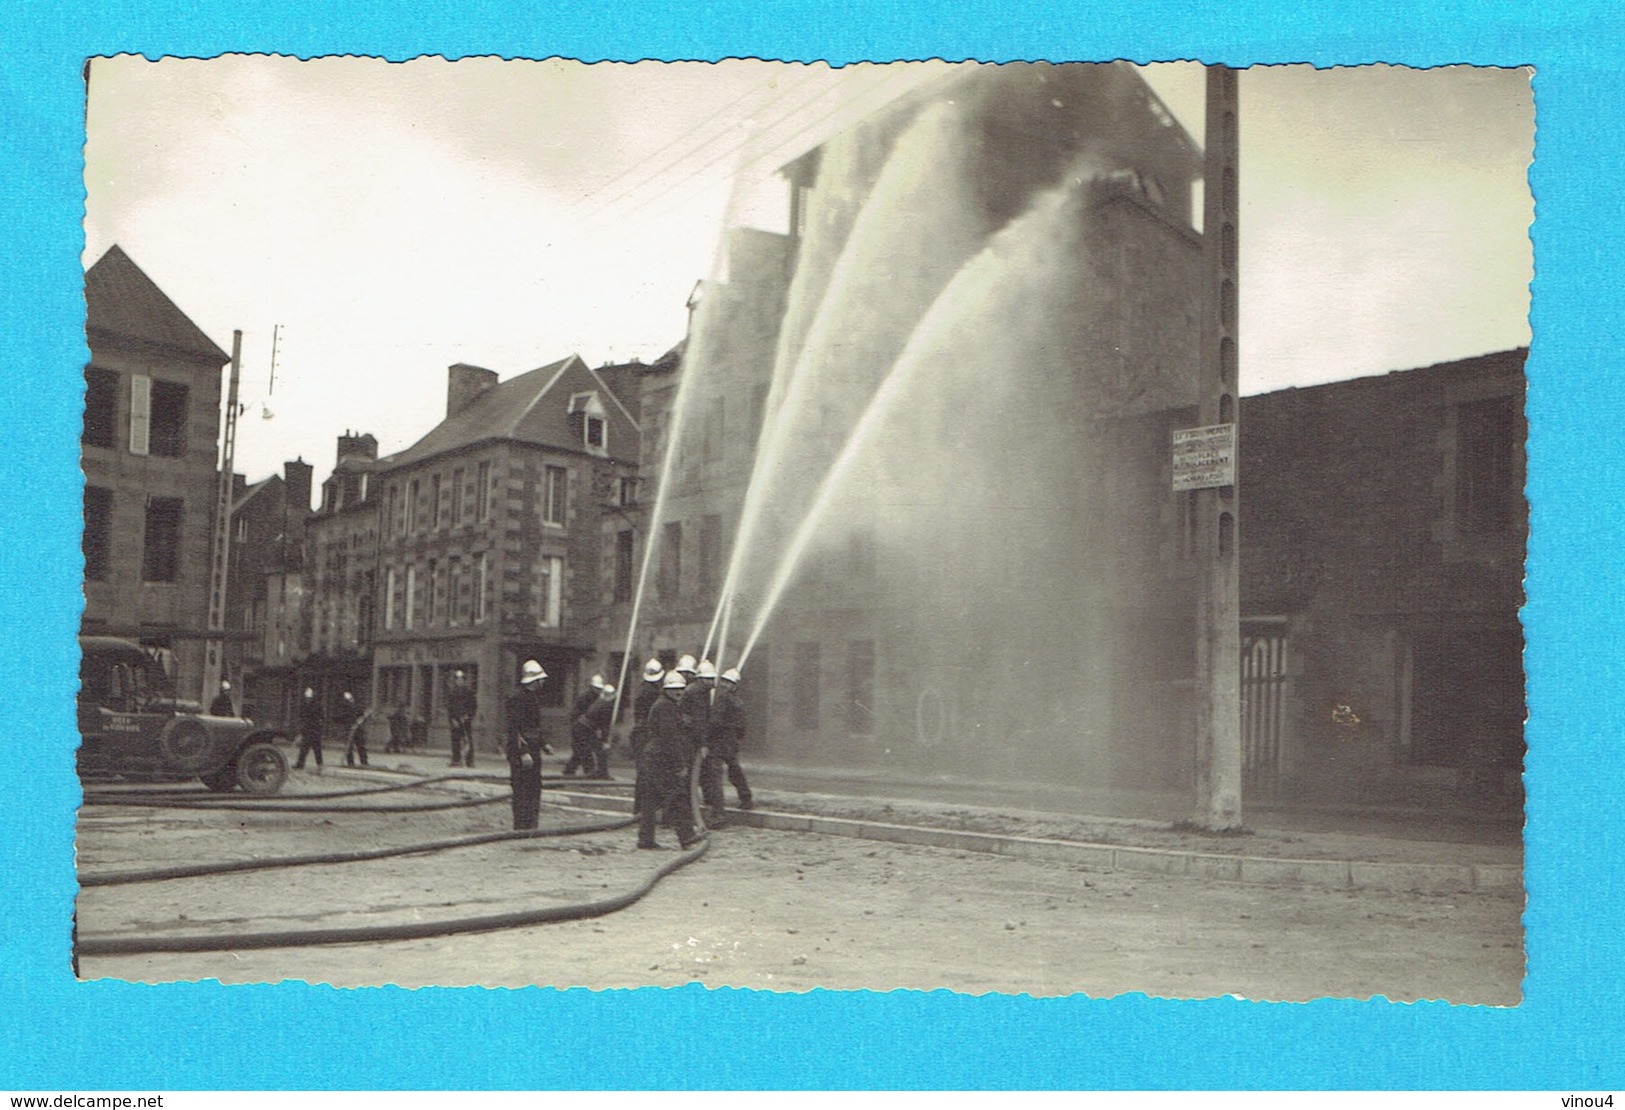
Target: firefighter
{"points": [[696, 706], [727, 728], [583, 737], [663, 768], [461, 705], [352, 719], [600, 717], [221, 705], [648, 694], [525, 745], [311, 723]]}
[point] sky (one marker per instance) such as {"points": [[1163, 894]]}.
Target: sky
{"points": [[374, 222]]}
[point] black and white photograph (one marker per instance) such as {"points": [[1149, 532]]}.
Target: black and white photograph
{"points": [[1039, 529]]}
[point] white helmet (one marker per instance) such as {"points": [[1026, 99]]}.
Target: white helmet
{"points": [[674, 680], [707, 669], [686, 664], [653, 671], [731, 675], [597, 682], [309, 692], [606, 690], [225, 684], [531, 672]]}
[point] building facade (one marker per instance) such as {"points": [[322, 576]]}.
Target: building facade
{"points": [[149, 452], [1382, 575], [919, 443], [267, 536], [490, 540]]}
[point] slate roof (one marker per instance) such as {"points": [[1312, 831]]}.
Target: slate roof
{"points": [[533, 407], [122, 301]]}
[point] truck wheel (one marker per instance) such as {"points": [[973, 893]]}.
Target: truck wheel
{"points": [[261, 769], [185, 745]]}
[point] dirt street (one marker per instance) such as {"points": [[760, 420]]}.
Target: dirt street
{"points": [[769, 910]]}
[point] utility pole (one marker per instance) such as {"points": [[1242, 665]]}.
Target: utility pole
{"points": [[220, 563], [1218, 616]]}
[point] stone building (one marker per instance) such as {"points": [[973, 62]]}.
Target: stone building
{"points": [[922, 442], [490, 539], [267, 537], [149, 452], [1382, 574]]}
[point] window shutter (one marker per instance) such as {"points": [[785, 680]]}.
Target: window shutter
{"points": [[140, 414]]}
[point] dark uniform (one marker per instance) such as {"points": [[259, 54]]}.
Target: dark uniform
{"points": [[461, 705], [524, 750], [600, 716], [352, 721], [663, 772], [727, 727], [696, 707], [648, 694], [583, 740], [221, 705], [310, 731]]}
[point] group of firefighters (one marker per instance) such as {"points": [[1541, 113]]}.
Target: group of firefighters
{"points": [[677, 714]]}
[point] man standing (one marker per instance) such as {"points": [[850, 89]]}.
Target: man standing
{"points": [[461, 705], [583, 744], [221, 705], [722, 743], [696, 707], [310, 730], [648, 694], [663, 769], [600, 718], [525, 745], [352, 721]]}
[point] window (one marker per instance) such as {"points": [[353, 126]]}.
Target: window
{"points": [[710, 551], [628, 491], [860, 685], [413, 490], [392, 500], [557, 486], [482, 492], [242, 529], [671, 560], [363, 609], [587, 415], [1486, 458], [551, 591], [101, 408], [623, 565], [140, 413], [432, 588], [455, 609], [98, 531], [161, 544], [457, 477], [411, 594], [168, 419], [804, 686], [481, 576], [434, 503]]}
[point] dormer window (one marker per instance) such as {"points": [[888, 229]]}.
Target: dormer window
{"points": [[589, 420]]}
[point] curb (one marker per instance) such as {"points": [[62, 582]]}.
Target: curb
{"points": [[1426, 878]]}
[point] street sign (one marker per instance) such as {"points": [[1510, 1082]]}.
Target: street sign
{"points": [[1205, 458]]}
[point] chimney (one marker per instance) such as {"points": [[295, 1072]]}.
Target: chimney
{"points": [[357, 445], [296, 476], [464, 383]]}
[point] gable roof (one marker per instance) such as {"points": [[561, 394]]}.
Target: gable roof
{"points": [[122, 301], [530, 408]]}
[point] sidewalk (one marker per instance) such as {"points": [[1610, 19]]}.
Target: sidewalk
{"points": [[1348, 848]]}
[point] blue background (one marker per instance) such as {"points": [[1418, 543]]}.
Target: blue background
{"points": [[56, 1033]]}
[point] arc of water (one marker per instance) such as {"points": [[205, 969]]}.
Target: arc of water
{"points": [[959, 298]]}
